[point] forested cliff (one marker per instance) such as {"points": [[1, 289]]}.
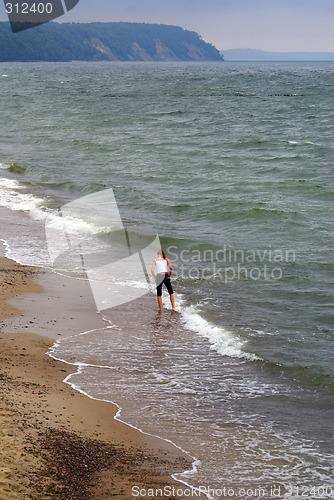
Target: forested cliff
{"points": [[104, 41]]}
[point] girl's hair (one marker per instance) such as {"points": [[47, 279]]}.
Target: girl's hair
{"points": [[162, 253]]}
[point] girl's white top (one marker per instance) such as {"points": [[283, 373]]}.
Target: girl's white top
{"points": [[161, 266]]}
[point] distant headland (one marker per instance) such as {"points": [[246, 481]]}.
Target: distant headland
{"points": [[262, 55], [104, 42]]}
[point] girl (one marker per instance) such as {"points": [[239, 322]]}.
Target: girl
{"points": [[162, 275]]}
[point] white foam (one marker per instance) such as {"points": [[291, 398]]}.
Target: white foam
{"points": [[9, 184], [132, 283], [12, 197], [73, 225], [180, 387], [6, 246], [224, 342]]}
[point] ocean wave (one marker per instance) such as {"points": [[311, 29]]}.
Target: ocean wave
{"points": [[222, 341], [307, 376], [13, 167], [73, 225], [14, 197], [16, 168]]}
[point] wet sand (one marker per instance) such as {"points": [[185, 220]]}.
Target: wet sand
{"points": [[56, 442]]}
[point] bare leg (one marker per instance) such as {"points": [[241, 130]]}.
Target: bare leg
{"points": [[172, 301], [160, 303]]}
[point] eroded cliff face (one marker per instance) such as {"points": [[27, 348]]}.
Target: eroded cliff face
{"points": [[102, 48], [162, 52]]}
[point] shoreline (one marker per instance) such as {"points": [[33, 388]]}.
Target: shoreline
{"points": [[40, 413]]}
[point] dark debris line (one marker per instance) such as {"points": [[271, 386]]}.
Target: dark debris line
{"points": [[72, 462]]}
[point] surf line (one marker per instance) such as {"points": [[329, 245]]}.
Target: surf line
{"points": [[80, 368]]}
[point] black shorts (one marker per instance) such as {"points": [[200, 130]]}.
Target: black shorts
{"points": [[160, 280]]}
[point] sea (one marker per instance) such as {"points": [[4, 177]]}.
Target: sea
{"points": [[230, 165]]}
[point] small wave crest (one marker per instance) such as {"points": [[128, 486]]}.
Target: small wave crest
{"points": [[13, 167], [222, 341], [73, 224], [14, 197]]}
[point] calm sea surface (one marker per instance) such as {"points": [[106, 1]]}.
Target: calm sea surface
{"points": [[232, 165]]}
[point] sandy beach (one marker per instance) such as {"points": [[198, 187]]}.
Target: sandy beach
{"points": [[56, 442]]}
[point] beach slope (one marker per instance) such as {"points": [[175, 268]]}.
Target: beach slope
{"points": [[55, 441]]}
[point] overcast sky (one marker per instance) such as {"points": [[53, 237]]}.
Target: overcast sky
{"points": [[275, 25]]}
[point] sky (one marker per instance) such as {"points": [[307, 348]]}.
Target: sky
{"points": [[273, 25]]}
